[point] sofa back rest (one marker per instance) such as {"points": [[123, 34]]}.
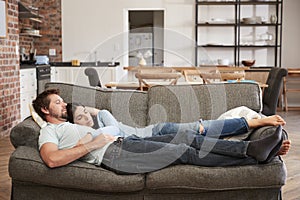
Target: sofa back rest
{"points": [[128, 106], [187, 103]]}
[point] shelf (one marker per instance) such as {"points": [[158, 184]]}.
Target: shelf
{"points": [[32, 15], [259, 46], [262, 24], [226, 3], [216, 24], [30, 34], [216, 46], [208, 32], [25, 12]]}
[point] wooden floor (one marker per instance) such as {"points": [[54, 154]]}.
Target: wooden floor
{"points": [[292, 160]]}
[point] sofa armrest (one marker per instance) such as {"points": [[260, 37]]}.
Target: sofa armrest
{"points": [[265, 131]]}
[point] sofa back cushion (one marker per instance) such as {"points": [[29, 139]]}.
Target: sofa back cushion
{"points": [[128, 106], [187, 103]]}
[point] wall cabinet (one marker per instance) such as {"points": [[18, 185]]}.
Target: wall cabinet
{"points": [[28, 88], [238, 30], [75, 75]]}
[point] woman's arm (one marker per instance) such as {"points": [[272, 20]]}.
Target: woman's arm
{"points": [[93, 111]]}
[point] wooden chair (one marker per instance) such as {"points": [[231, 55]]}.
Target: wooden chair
{"points": [[157, 76], [212, 74]]}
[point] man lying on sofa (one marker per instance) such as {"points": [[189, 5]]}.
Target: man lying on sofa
{"points": [[132, 154]]}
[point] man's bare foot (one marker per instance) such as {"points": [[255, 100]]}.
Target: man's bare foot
{"points": [[285, 147], [273, 120]]}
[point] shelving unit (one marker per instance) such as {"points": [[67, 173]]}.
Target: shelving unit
{"points": [[221, 30], [26, 13]]}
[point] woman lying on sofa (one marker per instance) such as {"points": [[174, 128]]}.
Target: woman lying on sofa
{"points": [[105, 122]]}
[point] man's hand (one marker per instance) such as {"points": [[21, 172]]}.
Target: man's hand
{"points": [[101, 140]]}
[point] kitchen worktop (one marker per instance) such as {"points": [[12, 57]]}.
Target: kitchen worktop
{"points": [[85, 64]]}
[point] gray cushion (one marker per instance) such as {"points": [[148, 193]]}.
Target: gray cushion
{"points": [[77, 175], [128, 106], [25, 133], [219, 178], [184, 103]]}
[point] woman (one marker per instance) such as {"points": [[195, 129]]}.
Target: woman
{"points": [[104, 121]]}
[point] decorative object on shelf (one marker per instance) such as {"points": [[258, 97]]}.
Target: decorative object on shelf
{"points": [[252, 20], [223, 61], [273, 19], [142, 57], [248, 63]]}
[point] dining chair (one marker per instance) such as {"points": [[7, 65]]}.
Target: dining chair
{"points": [[157, 76], [213, 74], [93, 77], [272, 92]]}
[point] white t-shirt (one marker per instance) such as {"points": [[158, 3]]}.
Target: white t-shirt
{"points": [[66, 135]]}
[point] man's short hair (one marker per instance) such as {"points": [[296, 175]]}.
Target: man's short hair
{"points": [[42, 101]]}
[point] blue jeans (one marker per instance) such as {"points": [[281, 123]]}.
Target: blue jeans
{"points": [[141, 155], [212, 128]]}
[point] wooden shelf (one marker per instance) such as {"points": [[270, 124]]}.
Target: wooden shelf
{"points": [[30, 34]]}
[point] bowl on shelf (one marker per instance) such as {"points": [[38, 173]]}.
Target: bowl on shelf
{"points": [[248, 63]]}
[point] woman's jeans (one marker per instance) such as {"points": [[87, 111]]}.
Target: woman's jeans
{"points": [[141, 155], [212, 128]]}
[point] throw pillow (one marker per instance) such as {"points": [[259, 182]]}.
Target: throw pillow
{"points": [[36, 117]]}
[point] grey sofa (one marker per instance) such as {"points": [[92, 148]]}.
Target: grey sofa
{"points": [[32, 179]]}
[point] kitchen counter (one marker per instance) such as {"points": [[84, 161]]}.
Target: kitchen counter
{"points": [[85, 64]]}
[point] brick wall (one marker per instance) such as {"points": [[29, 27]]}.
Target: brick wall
{"points": [[9, 72], [9, 59], [50, 29]]}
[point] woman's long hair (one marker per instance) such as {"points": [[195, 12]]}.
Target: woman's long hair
{"points": [[71, 107]]}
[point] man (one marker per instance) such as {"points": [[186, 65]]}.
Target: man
{"points": [[59, 146]]}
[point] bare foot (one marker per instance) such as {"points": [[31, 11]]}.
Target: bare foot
{"points": [[201, 129], [285, 147], [273, 120]]}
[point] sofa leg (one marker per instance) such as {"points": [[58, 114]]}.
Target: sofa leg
{"points": [[280, 194]]}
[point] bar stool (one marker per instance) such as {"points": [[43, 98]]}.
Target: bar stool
{"points": [[293, 77]]}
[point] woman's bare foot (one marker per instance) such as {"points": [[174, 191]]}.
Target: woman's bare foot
{"points": [[273, 120], [201, 129], [285, 147]]}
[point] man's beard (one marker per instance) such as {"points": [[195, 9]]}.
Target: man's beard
{"points": [[64, 115]]}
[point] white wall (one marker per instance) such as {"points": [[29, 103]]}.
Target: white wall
{"points": [[291, 44], [291, 34], [91, 23]]}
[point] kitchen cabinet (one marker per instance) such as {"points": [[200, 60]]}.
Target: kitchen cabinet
{"points": [[28, 88], [29, 21], [238, 30], [75, 75]]}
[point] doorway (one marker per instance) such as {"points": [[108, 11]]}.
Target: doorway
{"points": [[146, 37]]}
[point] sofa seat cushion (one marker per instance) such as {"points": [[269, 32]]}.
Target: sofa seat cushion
{"points": [[189, 177], [26, 165]]}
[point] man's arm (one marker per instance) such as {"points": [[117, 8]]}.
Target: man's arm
{"points": [[54, 157]]}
